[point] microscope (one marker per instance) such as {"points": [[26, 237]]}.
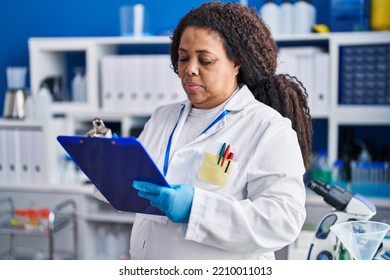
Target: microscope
{"points": [[347, 207]]}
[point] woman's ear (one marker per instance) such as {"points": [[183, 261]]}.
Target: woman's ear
{"points": [[237, 68]]}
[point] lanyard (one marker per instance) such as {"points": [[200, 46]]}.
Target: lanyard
{"points": [[168, 150]]}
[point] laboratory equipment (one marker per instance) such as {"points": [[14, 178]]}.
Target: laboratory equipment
{"points": [[347, 207], [361, 238], [16, 95]]}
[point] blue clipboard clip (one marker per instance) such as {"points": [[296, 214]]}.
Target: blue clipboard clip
{"points": [[112, 164]]}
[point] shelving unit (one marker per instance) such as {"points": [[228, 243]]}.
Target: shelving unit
{"points": [[49, 57], [24, 147], [352, 114]]}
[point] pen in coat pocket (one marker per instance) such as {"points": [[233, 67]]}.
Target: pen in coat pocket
{"points": [[229, 158], [221, 153], [225, 154]]}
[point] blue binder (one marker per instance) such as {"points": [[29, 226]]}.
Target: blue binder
{"points": [[112, 164]]}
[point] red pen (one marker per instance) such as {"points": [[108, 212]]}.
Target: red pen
{"points": [[229, 158], [225, 154]]}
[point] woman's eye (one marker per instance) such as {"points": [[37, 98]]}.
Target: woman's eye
{"points": [[205, 62], [183, 59]]}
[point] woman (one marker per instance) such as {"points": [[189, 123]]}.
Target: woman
{"points": [[235, 151]]}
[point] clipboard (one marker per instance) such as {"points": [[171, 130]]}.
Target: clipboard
{"points": [[112, 164]]}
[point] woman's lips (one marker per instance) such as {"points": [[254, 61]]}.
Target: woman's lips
{"points": [[191, 86]]}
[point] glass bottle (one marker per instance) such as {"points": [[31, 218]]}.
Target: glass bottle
{"points": [[321, 169]]}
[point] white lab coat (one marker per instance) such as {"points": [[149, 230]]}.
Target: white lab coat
{"points": [[258, 211]]}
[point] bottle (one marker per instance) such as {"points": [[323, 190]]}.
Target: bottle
{"points": [[101, 239], [287, 17], [244, 3], [321, 169], [270, 13], [339, 174], [29, 107], [79, 86], [304, 16], [364, 155], [42, 102], [380, 14]]}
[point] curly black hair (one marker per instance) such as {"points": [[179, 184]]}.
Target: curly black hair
{"points": [[249, 43]]}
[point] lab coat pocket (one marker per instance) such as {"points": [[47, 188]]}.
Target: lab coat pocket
{"points": [[212, 172], [143, 227]]}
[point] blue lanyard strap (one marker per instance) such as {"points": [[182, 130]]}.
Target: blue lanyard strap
{"points": [[168, 150], [221, 116]]}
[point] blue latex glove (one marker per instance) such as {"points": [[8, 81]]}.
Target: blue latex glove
{"points": [[175, 201]]}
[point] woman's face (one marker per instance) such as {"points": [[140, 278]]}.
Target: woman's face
{"points": [[207, 75]]}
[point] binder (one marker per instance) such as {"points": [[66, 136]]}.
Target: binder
{"points": [[38, 168], [112, 164], [12, 155], [162, 79], [149, 83], [134, 83], [321, 83], [3, 158], [108, 75], [25, 147], [300, 62]]}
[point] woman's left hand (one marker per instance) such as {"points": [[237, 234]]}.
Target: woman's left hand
{"points": [[175, 201]]}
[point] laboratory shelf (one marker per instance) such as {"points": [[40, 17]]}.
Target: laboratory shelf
{"points": [[352, 114]]}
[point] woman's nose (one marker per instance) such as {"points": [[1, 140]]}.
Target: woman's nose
{"points": [[192, 69]]}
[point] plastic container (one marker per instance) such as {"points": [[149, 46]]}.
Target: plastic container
{"points": [[380, 14], [287, 17], [133, 20], [321, 169], [271, 14], [361, 238], [79, 85], [16, 77], [349, 15], [42, 103], [304, 16], [339, 174]]}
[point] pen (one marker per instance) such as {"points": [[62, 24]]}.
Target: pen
{"points": [[230, 158], [221, 153], [225, 154]]}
